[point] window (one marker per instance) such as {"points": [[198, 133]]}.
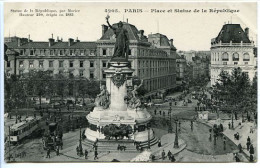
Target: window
{"points": [[104, 76], [104, 51], [71, 64], [50, 64], [224, 63], [81, 52], [104, 64], [60, 64], [81, 64], [235, 63], [21, 52], [40, 64], [8, 64], [129, 52], [61, 52], [21, 64], [81, 73], [71, 52], [30, 64], [225, 57], [60, 71], [246, 63], [31, 52], [236, 57], [42, 52], [51, 52], [246, 57], [91, 64], [91, 75]]}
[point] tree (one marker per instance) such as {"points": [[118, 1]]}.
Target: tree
{"points": [[40, 82], [232, 89]]}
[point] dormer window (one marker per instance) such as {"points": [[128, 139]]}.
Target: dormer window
{"points": [[31, 52], [71, 52], [61, 52], [81, 52]]}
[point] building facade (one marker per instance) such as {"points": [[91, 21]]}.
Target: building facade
{"points": [[230, 49], [153, 58]]}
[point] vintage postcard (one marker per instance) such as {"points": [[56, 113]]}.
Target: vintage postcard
{"points": [[166, 82]]}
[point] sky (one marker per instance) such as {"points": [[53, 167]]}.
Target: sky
{"points": [[189, 30]]}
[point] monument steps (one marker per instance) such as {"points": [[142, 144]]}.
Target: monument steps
{"points": [[152, 142]]}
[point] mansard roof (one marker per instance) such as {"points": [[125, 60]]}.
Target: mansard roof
{"points": [[232, 32]]}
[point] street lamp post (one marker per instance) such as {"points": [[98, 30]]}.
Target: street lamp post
{"points": [[170, 118], [149, 138], [176, 143], [232, 121], [80, 144]]}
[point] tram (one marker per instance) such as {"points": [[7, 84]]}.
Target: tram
{"points": [[23, 129]]}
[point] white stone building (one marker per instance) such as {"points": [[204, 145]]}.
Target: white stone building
{"points": [[230, 49]]}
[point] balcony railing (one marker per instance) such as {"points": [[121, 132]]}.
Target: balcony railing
{"points": [[232, 44]]}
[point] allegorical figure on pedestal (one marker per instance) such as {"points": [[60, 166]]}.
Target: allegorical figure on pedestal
{"points": [[122, 40], [133, 99], [103, 99]]}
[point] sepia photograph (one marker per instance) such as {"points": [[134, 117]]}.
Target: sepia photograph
{"points": [[131, 82]]}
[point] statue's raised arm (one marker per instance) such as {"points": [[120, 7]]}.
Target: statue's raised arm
{"points": [[109, 23]]}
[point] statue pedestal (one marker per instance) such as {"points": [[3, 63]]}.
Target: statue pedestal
{"points": [[118, 79]]}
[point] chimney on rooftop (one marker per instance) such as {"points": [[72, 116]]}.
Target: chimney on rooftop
{"points": [[247, 32], [71, 40], [18, 42], [77, 40], [51, 40], [127, 20], [58, 39], [104, 29], [29, 38]]}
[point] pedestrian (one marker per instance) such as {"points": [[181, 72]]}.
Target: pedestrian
{"points": [[96, 155], [163, 155], [248, 139], [248, 145], [155, 112], [175, 103], [77, 150], [251, 129], [118, 147], [169, 154], [57, 151], [86, 153], [251, 158], [159, 143], [224, 142], [221, 127], [251, 149], [163, 113], [240, 148], [160, 112], [173, 159], [229, 125], [48, 153], [237, 158]]}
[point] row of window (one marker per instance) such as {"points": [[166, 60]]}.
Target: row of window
{"points": [[81, 73], [225, 57], [52, 52], [235, 63], [61, 64]]}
